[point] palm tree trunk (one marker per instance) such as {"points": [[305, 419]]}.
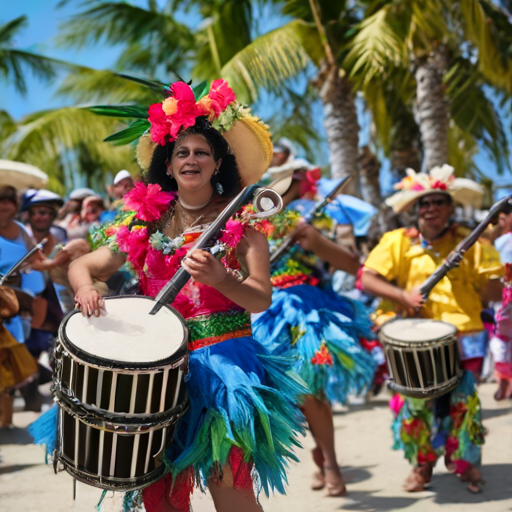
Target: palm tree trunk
{"points": [[342, 128], [403, 158], [432, 111], [370, 172]]}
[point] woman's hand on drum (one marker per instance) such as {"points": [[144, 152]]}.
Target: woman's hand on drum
{"points": [[412, 299], [204, 268], [89, 300]]}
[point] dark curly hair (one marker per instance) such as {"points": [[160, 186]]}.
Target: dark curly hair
{"points": [[228, 175]]}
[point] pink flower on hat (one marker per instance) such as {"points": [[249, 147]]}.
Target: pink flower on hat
{"points": [[180, 110], [148, 201], [221, 95]]}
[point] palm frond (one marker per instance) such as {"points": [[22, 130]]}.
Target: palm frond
{"points": [[462, 149], [493, 64], [273, 58], [375, 47], [382, 120], [473, 112], [295, 120], [46, 139], [87, 85], [115, 22], [8, 30], [7, 124]]}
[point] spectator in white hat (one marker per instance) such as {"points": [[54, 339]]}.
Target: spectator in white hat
{"points": [[69, 214], [122, 184], [283, 153]]}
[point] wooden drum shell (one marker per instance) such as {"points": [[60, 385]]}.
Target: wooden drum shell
{"points": [[116, 418], [426, 370]]}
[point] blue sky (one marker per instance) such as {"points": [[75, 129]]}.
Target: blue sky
{"points": [[44, 19]]}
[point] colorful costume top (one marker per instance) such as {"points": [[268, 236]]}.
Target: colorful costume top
{"points": [[299, 266], [405, 258], [155, 257]]}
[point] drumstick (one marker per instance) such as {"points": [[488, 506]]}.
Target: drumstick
{"points": [[20, 262]]}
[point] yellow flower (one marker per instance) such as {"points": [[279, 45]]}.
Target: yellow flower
{"points": [[170, 106]]}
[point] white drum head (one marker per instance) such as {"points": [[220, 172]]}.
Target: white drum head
{"points": [[417, 330], [128, 333]]}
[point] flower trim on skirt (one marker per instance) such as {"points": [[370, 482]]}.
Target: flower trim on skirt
{"points": [[452, 424], [323, 330]]}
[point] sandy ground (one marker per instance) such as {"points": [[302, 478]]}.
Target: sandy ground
{"points": [[373, 471]]}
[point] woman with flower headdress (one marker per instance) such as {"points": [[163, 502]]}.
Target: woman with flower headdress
{"points": [[242, 420], [395, 270], [322, 329]]}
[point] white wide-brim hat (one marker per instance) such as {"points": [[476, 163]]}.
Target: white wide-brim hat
{"points": [[282, 175], [440, 180]]}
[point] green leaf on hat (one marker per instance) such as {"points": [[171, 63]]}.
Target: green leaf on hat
{"points": [[129, 134], [136, 111], [201, 90]]}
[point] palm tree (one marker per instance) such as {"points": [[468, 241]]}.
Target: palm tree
{"points": [[59, 141], [15, 62], [435, 43], [249, 64]]}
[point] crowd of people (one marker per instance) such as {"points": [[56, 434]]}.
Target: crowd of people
{"points": [[42, 292], [272, 346]]}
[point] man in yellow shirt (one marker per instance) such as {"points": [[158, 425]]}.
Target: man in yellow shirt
{"points": [[394, 270]]}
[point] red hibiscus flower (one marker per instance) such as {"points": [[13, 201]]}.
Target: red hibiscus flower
{"points": [[183, 92], [232, 233], [439, 185], [414, 427], [423, 458], [322, 357], [159, 127], [221, 95], [148, 201], [265, 227], [134, 243]]}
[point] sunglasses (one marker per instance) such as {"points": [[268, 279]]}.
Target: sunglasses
{"points": [[42, 213], [433, 202]]}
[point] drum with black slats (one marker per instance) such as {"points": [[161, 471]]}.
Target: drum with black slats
{"points": [[119, 384], [422, 356]]}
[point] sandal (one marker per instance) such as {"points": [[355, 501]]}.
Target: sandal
{"points": [[473, 476]]}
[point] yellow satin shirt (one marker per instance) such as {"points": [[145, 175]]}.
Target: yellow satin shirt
{"points": [[401, 258]]}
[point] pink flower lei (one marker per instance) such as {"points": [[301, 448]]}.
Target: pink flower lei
{"points": [[148, 202], [180, 110]]}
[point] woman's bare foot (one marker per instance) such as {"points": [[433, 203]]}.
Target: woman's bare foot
{"points": [[334, 481], [473, 476], [418, 478], [450, 465], [318, 477], [502, 391]]}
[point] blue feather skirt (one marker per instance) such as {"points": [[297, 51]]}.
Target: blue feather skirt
{"points": [[322, 329], [241, 397]]}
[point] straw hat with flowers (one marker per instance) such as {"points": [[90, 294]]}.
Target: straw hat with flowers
{"points": [[161, 123]]}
